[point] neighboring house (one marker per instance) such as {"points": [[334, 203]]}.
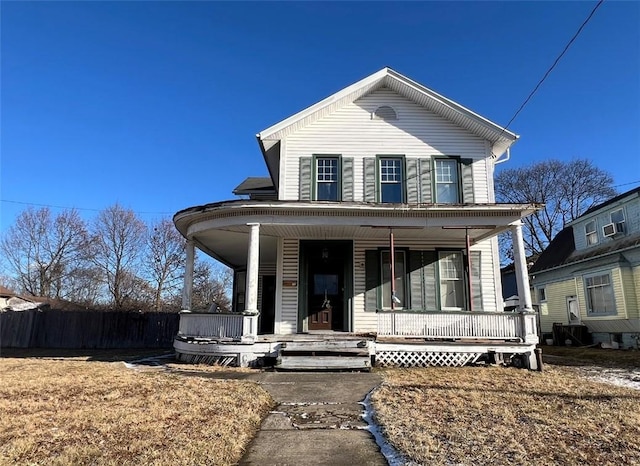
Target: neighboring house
{"points": [[378, 223], [590, 273]]}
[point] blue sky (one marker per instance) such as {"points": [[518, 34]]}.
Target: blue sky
{"points": [[155, 105]]}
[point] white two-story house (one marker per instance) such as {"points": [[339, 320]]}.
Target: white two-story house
{"points": [[378, 219]]}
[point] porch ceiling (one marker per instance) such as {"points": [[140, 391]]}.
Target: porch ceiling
{"points": [[222, 231]]}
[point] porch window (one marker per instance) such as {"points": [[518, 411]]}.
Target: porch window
{"points": [[447, 181], [451, 281], [391, 179], [591, 233], [327, 179], [600, 297], [400, 282]]}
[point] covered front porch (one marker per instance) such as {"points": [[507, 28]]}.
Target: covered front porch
{"points": [[328, 264]]}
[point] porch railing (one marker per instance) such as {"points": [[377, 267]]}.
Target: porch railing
{"points": [[456, 325], [217, 325]]}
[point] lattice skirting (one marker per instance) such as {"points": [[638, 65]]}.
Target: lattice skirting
{"points": [[424, 359]]}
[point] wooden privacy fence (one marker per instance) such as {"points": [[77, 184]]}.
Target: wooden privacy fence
{"points": [[87, 329]]}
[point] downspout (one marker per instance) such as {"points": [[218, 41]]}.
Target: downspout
{"points": [[506, 159]]}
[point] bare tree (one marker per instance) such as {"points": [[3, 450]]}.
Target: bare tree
{"points": [[211, 284], [164, 261], [42, 251], [567, 189], [118, 240]]}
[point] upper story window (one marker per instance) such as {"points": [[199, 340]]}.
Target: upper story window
{"points": [[617, 217], [327, 179], [385, 113], [391, 179], [447, 181], [591, 233], [600, 297]]}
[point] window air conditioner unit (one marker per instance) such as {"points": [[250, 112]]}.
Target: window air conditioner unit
{"points": [[611, 229]]}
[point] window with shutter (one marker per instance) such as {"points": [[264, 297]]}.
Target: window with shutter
{"points": [[391, 186], [327, 178]]}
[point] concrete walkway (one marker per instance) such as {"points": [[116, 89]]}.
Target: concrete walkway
{"points": [[318, 420]]}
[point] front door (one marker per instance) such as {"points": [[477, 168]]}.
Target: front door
{"points": [[326, 286]]}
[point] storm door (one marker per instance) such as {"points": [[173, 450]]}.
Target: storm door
{"points": [[327, 265]]}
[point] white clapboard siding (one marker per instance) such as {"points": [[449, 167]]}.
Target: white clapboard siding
{"points": [[289, 304], [366, 321], [351, 132]]}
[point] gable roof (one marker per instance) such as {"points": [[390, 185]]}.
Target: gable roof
{"points": [[500, 138], [557, 252], [613, 200], [562, 249], [255, 184]]}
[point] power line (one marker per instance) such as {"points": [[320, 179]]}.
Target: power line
{"points": [[77, 208], [535, 89]]}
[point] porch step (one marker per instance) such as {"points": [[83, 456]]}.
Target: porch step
{"points": [[326, 355], [323, 362]]}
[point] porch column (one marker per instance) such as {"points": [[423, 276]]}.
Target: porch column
{"points": [[520, 264], [188, 276], [253, 261]]}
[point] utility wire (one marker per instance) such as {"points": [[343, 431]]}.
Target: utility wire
{"points": [[77, 208], [535, 89]]}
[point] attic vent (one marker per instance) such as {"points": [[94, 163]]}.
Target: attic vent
{"points": [[385, 113]]}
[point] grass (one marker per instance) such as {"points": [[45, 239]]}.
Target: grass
{"points": [[506, 416], [78, 411], [597, 356]]}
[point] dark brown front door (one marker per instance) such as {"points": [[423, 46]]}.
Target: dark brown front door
{"points": [[326, 288]]}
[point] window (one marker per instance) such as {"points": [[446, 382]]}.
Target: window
{"points": [[400, 282], [542, 294], [391, 180], [591, 232], [447, 181], [385, 113], [451, 280], [600, 299], [617, 217], [327, 179]]}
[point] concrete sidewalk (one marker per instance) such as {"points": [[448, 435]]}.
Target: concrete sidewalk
{"points": [[318, 420]]}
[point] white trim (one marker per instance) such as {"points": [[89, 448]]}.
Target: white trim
{"points": [[501, 140]]}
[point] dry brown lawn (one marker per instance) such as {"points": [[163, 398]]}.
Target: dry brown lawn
{"points": [[73, 411], [506, 416], [598, 356]]}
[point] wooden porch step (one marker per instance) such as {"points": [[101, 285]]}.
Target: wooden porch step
{"points": [[356, 347], [323, 363]]}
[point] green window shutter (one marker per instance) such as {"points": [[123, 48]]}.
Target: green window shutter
{"points": [[467, 180], [424, 167], [412, 181], [416, 280], [372, 279], [305, 178], [370, 179], [476, 280], [347, 179], [429, 261]]}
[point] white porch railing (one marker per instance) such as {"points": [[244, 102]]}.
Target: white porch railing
{"points": [[217, 325], [456, 325]]}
